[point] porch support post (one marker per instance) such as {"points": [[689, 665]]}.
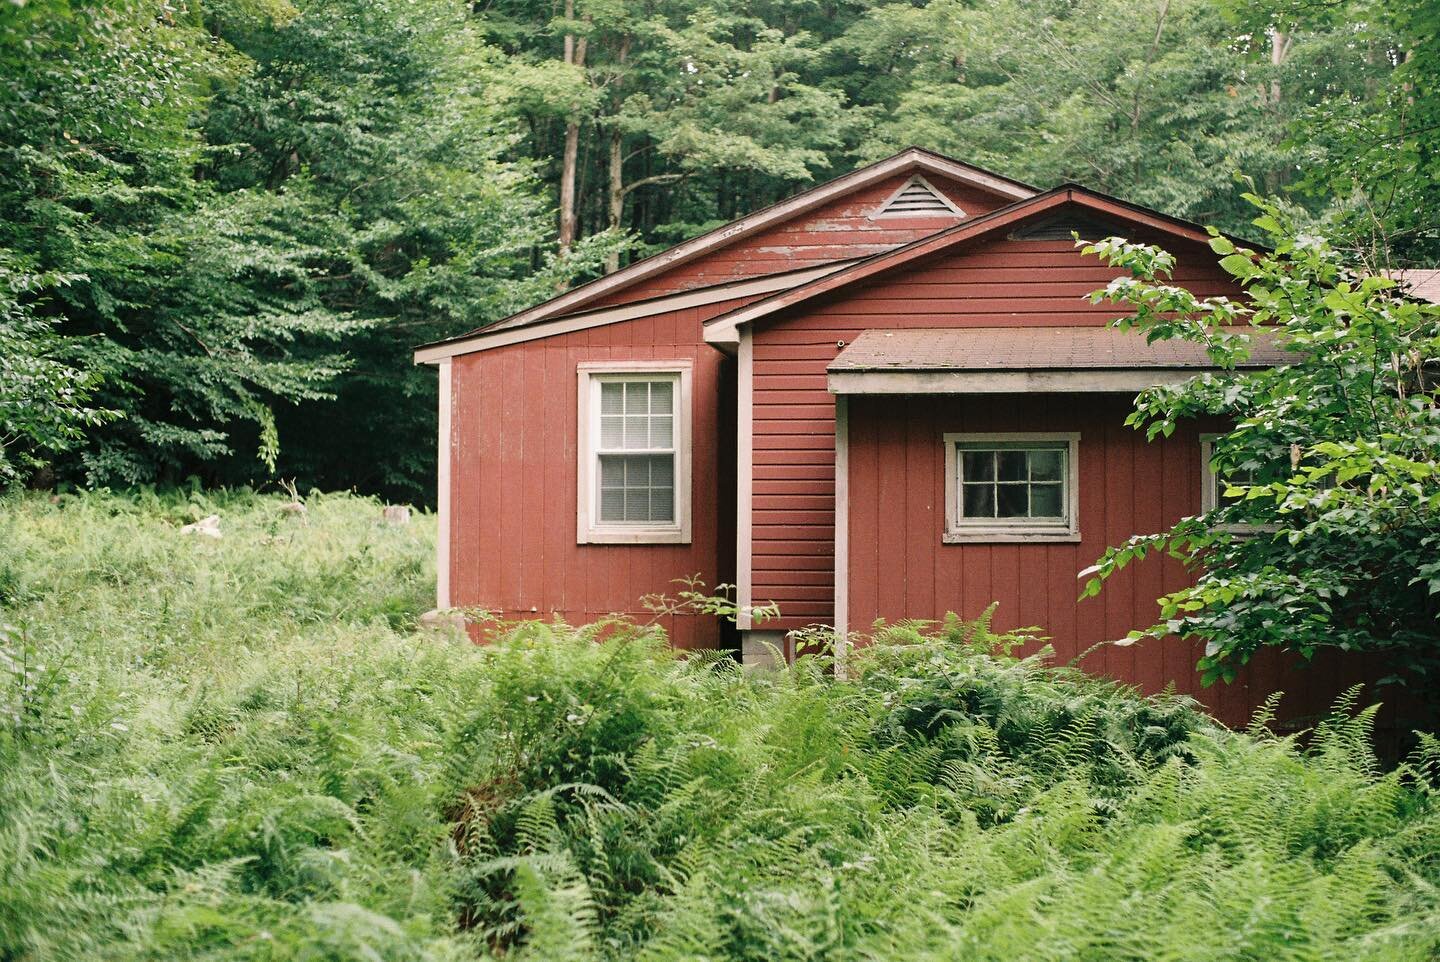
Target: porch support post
{"points": [[745, 479]]}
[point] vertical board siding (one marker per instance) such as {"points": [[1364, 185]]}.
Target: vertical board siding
{"points": [[900, 568], [514, 437], [839, 230], [990, 283]]}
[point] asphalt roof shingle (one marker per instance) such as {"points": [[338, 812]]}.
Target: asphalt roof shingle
{"points": [[1029, 349]]}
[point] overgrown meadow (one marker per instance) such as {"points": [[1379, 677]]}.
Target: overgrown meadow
{"points": [[242, 748]]}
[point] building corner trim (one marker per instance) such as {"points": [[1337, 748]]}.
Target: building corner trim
{"points": [[445, 453]]}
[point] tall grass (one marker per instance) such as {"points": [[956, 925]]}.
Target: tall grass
{"points": [[241, 749]]}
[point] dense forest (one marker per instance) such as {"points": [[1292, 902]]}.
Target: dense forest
{"points": [[225, 223]]}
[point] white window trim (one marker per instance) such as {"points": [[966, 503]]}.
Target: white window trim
{"points": [[588, 529], [1003, 531], [1210, 490], [882, 213], [1209, 480]]}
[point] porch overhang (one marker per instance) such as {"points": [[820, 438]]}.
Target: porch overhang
{"points": [[1031, 360]]}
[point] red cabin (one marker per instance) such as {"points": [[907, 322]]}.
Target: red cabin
{"points": [[886, 397]]}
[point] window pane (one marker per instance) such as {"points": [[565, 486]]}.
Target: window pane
{"points": [[637, 488], [1012, 501], [637, 472], [978, 501], [1012, 465], [612, 472], [612, 504], [1016, 482], [637, 397], [1045, 465], [662, 504], [612, 431], [660, 431], [662, 397], [1045, 501], [611, 397], [977, 465], [637, 432]]}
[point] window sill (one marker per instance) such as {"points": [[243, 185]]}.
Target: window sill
{"points": [[980, 535], [634, 536], [1247, 530]]}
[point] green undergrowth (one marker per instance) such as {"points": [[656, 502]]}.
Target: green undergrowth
{"points": [[241, 748]]}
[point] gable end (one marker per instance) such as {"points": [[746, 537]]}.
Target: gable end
{"points": [[917, 197], [1063, 226], [595, 293]]}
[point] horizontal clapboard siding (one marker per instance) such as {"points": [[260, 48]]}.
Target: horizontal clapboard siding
{"points": [[993, 283], [839, 230]]}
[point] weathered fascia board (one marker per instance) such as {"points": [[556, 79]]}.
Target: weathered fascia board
{"points": [[909, 159], [1004, 382], [766, 284]]}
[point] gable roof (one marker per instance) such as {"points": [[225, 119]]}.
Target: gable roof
{"points": [[911, 159], [724, 329], [491, 337]]}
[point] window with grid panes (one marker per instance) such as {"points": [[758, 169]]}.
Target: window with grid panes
{"points": [[1016, 482], [1213, 486], [635, 451]]}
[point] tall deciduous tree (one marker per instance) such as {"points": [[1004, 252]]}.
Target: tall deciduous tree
{"points": [[634, 97], [1371, 153], [176, 298], [369, 136], [1327, 530], [1157, 101]]}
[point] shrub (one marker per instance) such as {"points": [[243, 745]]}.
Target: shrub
{"points": [[236, 749]]}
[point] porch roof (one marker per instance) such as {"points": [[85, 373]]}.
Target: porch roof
{"points": [[993, 360]]}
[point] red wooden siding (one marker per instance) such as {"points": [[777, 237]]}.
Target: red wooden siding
{"points": [[513, 548], [838, 230], [990, 283], [900, 568]]}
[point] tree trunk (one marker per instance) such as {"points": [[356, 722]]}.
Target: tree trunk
{"points": [[1279, 52], [575, 56], [616, 194], [1280, 42], [567, 185]]}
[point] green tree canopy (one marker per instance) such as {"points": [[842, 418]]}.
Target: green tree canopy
{"points": [[1327, 533]]}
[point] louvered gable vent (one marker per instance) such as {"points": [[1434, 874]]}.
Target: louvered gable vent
{"points": [[918, 199], [1060, 228]]}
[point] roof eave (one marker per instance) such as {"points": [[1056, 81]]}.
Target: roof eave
{"points": [[1129, 380], [916, 157], [724, 329]]}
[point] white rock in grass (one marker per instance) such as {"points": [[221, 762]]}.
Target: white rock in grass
{"points": [[446, 621], [395, 515], [209, 527]]}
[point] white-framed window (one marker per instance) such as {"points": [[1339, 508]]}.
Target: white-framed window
{"points": [[1012, 487], [633, 448], [1213, 485]]}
